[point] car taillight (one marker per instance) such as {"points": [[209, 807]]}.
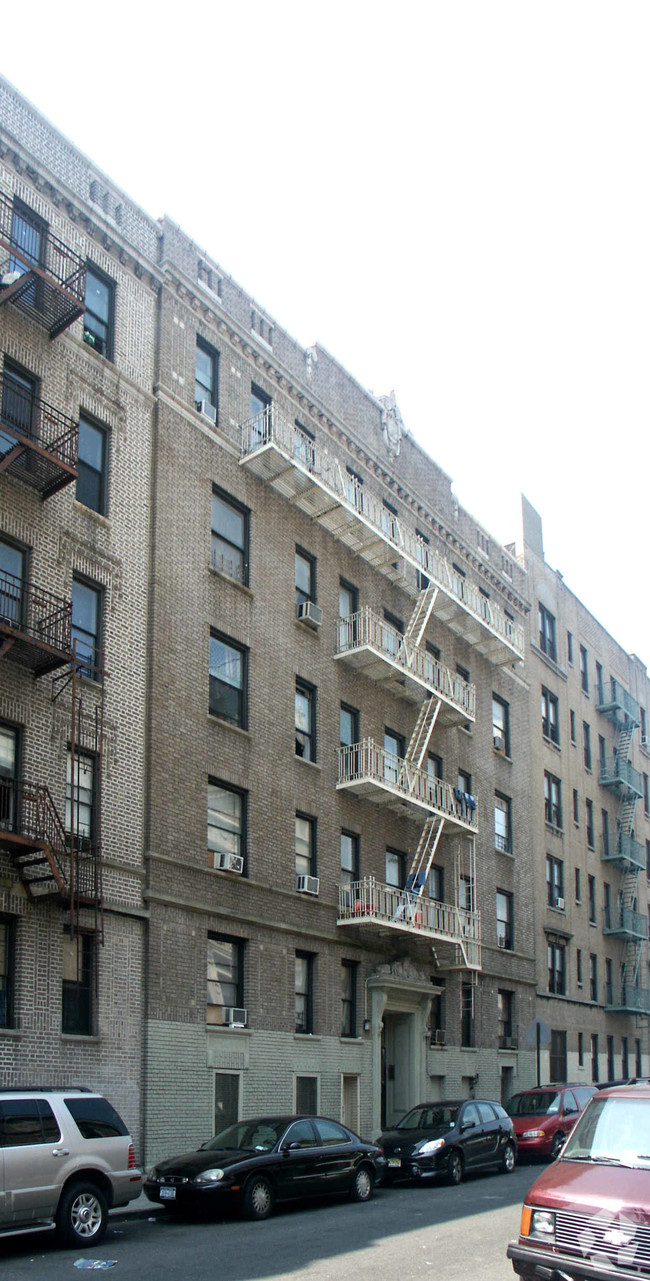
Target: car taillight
{"points": [[131, 1157]]}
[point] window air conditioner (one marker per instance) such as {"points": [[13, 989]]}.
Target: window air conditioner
{"points": [[234, 1017], [228, 862], [503, 941], [439, 1036], [508, 1043], [499, 742], [307, 884], [559, 902], [645, 742], [207, 408], [308, 612]]}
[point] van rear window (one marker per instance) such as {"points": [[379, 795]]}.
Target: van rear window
{"points": [[95, 1118]]}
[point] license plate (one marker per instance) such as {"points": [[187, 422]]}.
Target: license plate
{"points": [[168, 1194], [394, 1162]]}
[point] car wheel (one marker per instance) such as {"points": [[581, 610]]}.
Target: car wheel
{"points": [[508, 1158], [82, 1215], [363, 1184], [454, 1167], [557, 1145], [258, 1198]]}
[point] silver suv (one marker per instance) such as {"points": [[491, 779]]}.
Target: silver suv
{"points": [[66, 1158]]}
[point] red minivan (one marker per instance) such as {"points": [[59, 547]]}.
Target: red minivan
{"points": [[544, 1117], [588, 1214]]}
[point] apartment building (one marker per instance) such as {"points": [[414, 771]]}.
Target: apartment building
{"points": [[590, 759], [269, 711], [77, 313]]}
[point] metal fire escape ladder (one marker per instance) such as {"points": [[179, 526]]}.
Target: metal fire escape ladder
{"points": [[417, 623], [633, 953]]}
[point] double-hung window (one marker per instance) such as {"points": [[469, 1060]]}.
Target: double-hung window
{"points": [[305, 721], [77, 981], [305, 578], [550, 716], [206, 374], [261, 424], [304, 446], [505, 1012], [552, 800], [504, 920], [305, 846], [554, 881], [349, 858], [80, 799], [395, 869], [586, 740], [225, 978], [230, 523], [19, 405], [556, 958], [304, 992], [584, 669], [547, 636], [502, 823], [99, 313], [86, 627], [7, 967], [501, 724], [228, 681], [92, 469], [348, 725], [349, 998], [226, 820], [589, 812]]}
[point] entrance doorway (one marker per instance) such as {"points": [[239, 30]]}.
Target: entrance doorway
{"points": [[397, 1067], [350, 1102]]}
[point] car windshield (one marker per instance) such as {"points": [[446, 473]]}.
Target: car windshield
{"points": [[434, 1116], [256, 1136], [612, 1130], [535, 1103]]}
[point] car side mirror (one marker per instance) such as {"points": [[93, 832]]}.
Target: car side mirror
{"points": [[467, 1125]]}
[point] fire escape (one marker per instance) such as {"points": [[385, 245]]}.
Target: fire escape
{"points": [[39, 275], [274, 449], [626, 923]]}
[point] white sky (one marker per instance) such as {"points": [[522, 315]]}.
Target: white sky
{"points": [[453, 198]]}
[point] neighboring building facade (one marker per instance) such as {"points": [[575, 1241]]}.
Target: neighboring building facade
{"points": [[590, 759], [77, 315], [265, 703]]}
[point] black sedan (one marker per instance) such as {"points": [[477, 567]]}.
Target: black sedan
{"points": [[449, 1138], [270, 1158]]}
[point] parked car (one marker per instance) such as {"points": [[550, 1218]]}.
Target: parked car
{"points": [[267, 1159], [449, 1138], [588, 1214], [67, 1158], [544, 1117]]}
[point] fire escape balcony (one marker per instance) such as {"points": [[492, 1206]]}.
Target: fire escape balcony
{"points": [[38, 444], [370, 771], [618, 705], [39, 274], [32, 833], [368, 643], [377, 908], [625, 853], [625, 923], [620, 776], [35, 625], [627, 999], [274, 449]]}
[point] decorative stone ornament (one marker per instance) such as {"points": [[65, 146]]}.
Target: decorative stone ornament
{"points": [[392, 424]]}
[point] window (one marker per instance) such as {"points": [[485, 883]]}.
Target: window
{"points": [[305, 578], [579, 966], [348, 725], [638, 1066], [591, 890], [625, 1058], [467, 1014], [391, 640], [27, 1122], [262, 327], [505, 1011], [581, 1049], [464, 782], [305, 720], [91, 466], [354, 488], [348, 599], [225, 977], [390, 521], [77, 984], [552, 800], [500, 724], [86, 627], [610, 1058], [348, 998], [436, 884], [595, 1070], [572, 725], [7, 969], [230, 527], [584, 670], [646, 794], [304, 992], [8, 778], [434, 766], [226, 820], [550, 716], [307, 1105], [226, 1099], [466, 894], [576, 807], [569, 648], [261, 423], [305, 845], [13, 565], [304, 446], [394, 748], [504, 920], [349, 858], [80, 799], [556, 959], [578, 885], [554, 881], [228, 681], [547, 642], [395, 869], [98, 317], [422, 557], [593, 977], [206, 371], [28, 237], [606, 904], [609, 986], [589, 812], [604, 819], [19, 404], [586, 739], [502, 823]]}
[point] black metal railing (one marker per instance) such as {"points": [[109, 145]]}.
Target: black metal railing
{"points": [[64, 267], [26, 417], [34, 612]]}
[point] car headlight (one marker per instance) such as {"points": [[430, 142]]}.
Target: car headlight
{"points": [[542, 1224], [209, 1176], [152, 1173], [533, 1134], [433, 1145]]}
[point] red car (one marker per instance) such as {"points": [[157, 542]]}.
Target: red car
{"points": [[588, 1214], [544, 1117]]}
